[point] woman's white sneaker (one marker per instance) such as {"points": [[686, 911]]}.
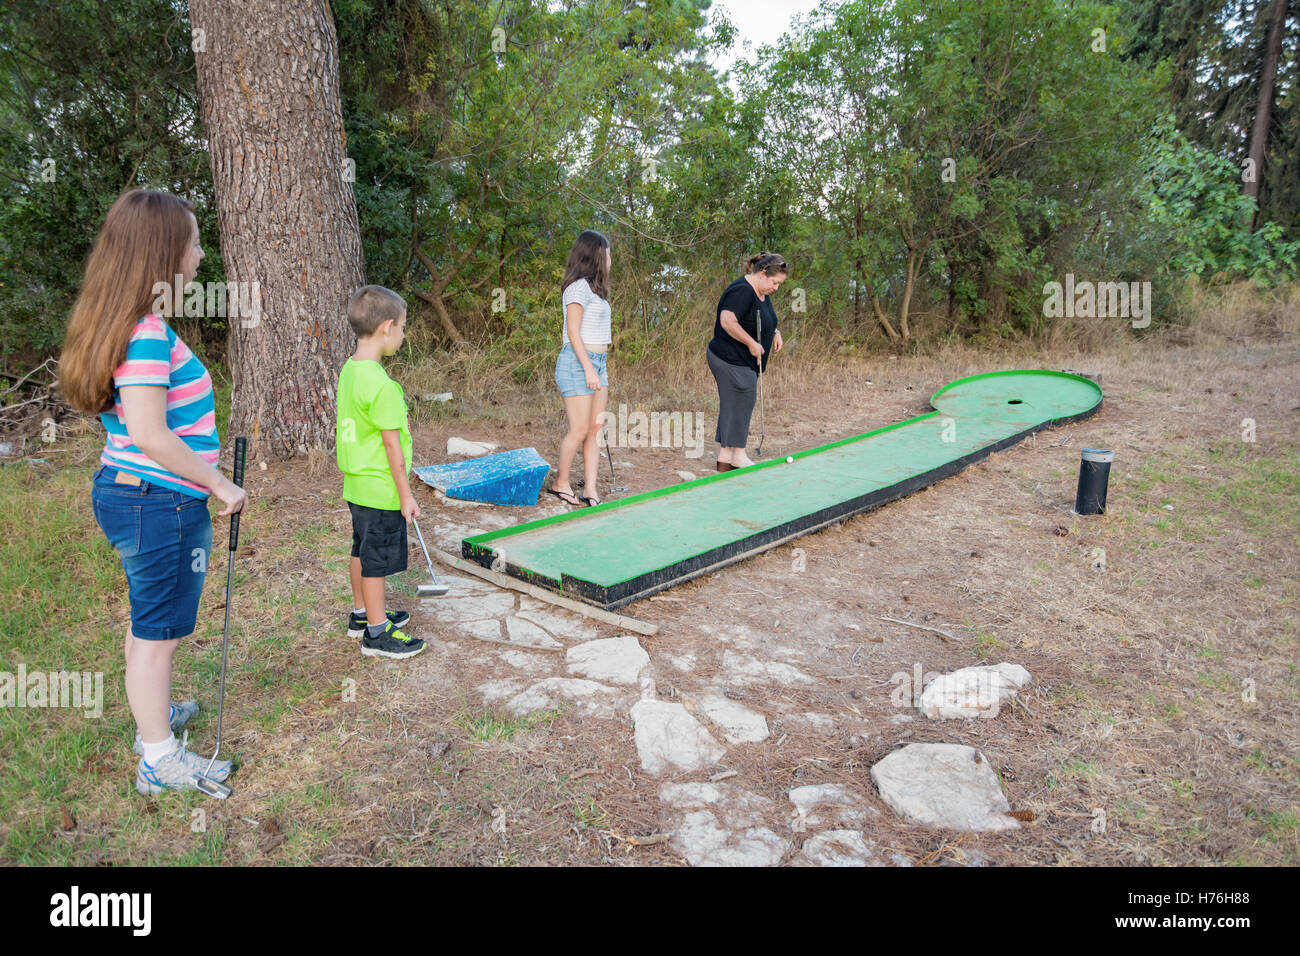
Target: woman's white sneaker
{"points": [[176, 771]]}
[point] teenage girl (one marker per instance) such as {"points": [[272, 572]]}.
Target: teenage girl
{"points": [[580, 367], [158, 466]]}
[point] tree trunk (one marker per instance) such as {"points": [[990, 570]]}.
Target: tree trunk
{"points": [[269, 90], [1264, 109]]}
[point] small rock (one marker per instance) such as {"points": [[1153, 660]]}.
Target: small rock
{"points": [[972, 691], [459, 446], [438, 748], [686, 475], [739, 724]]}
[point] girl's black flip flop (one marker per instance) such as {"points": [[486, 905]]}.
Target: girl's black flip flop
{"points": [[591, 502], [565, 496]]}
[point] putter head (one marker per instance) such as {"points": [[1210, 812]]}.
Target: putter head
{"points": [[211, 787], [431, 590]]}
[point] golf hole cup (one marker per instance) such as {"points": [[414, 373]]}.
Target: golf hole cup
{"points": [[1094, 476]]}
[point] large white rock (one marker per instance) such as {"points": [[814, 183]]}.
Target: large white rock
{"points": [[460, 446], [739, 725], [943, 785], [668, 738], [972, 691], [590, 698], [618, 660]]}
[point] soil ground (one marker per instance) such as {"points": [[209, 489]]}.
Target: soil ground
{"points": [[1161, 726]]}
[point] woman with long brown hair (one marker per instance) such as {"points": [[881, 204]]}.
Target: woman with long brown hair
{"points": [[580, 369], [158, 466]]}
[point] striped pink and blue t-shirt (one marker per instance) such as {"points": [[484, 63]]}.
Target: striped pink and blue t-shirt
{"points": [[156, 356]]}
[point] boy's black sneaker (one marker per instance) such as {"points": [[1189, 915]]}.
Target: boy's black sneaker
{"points": [[391, 643], [357, 622]]}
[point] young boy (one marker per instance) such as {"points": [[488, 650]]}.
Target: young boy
{"points": [[374, 453]]}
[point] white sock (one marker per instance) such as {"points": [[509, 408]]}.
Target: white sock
{"points": [[359, 612], [155, 752]]}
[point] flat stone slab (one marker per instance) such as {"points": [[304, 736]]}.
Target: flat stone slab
{"points": [[618, 660], [590, 698], [943, 785], [740, 669], [704, 842], [489, 630], [479, 607], [495, 690], [739, 724], [669, 738], [722, 826], [972, 691], [819, 804], [844, 848], [556, 622], [529, 634], [835, 848]]}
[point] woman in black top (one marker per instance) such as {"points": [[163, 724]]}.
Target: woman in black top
{"points": [[744, 333]]}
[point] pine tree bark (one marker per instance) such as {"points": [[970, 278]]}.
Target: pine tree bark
{"points": [[1264, 109], [269, 92]]}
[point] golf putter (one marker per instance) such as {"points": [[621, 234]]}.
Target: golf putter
{"points": [[613, 488], [202, 782], [433, 589]]}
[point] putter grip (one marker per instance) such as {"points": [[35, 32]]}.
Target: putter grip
{"points": [[241, 449]]}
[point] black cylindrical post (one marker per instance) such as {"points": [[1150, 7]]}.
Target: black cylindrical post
{"points": [[1094, 475]]}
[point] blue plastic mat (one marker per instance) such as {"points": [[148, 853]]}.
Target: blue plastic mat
{"points": [[506, 478]]}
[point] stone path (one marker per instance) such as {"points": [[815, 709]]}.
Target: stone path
{"points": [[558, 660]]}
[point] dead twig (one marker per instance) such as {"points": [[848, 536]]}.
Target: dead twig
{"points": [[944, 634]]}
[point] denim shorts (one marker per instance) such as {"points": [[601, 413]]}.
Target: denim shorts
{"points": [[570, 376], [164, 538]]}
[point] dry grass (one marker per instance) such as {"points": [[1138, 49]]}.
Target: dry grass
{"points": [[1136, 710]]}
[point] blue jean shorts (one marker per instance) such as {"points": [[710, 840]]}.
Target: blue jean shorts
{"points": [[570, 376], [164, 538]]}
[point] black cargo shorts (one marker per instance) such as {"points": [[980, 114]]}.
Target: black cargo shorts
{"points": [[379, 540]]}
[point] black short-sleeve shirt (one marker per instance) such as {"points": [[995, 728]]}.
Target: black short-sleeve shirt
{"points": [[741, 300]]}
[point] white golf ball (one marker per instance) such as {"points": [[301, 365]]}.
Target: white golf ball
{"points": [[790, 460]]}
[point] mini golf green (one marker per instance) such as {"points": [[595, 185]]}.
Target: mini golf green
{"points": [[624, 550]]}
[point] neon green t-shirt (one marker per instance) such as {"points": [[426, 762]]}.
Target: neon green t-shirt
{"points": [[369, 402]]}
